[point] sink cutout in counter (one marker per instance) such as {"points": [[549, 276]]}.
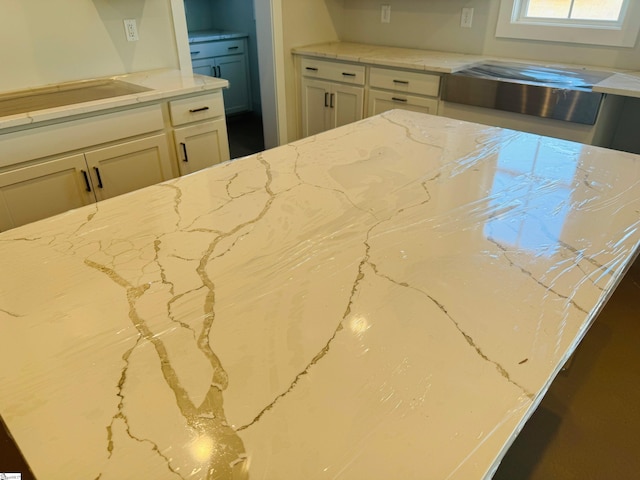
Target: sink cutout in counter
{"points": [[64, 94]]}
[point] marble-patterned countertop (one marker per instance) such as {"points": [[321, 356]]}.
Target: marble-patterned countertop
{"points": [[162, 84], [625, 84], [415, 59], [620, 83], [389, 299], [212, 35]]}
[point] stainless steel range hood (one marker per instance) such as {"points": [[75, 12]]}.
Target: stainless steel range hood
{"points": [[560, 94]]}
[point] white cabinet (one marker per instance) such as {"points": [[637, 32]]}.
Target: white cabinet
{"points": [[38, 191], [332, 95], [407, 90], [202, 145], [128, 166], [54, 167], [203, 141], [44, 189], [225, 59]]}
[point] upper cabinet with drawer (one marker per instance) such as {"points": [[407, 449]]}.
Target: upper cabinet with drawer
{"points": [[226, 59], [404, 89]]}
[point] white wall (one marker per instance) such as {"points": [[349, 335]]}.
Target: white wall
{"points": [[435, 25], [51, 41]]}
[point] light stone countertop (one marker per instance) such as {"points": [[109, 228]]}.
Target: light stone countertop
{"points": [[389, 299], [625, 84], [620, 83], [212, 35], [163, 84]]}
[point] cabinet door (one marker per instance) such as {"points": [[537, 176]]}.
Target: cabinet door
{"points": [[382, 101], [346, 105], [234, 69], [201, 145], [315, 103], [204, 67], [38, 191], [129, 166]]}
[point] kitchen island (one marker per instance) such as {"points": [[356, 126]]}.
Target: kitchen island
{"points": [[389, 299]]}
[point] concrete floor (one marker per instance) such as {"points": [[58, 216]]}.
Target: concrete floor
{"points": [[587, 425]]}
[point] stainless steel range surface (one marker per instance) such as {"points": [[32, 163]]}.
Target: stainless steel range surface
{"points": [[547, 92]]}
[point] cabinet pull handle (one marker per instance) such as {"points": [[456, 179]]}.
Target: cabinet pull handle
{"points": [[233, 48], [201, 109], [99, 179], [196, 52], [396, 99], [213, 71], [184, 152], [313, 69], [402, 82], [86, 180], [331, 100], [326, 99], [347, 74], [219, 71]]}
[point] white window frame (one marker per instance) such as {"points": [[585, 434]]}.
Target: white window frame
{"points": [[617, 34]]}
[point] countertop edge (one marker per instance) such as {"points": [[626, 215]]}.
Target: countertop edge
{"points": [[622, 83], [163, 84]]}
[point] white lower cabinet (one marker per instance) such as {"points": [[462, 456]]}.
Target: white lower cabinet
{"points": [[202, 145], [38, 191], [327, 105], [129, 166]]}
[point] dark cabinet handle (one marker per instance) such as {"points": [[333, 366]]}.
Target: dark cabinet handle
{"points": [[402, 82], [184, 152], [201, 109], [326, 99], [99, 179], [347, 74], [313, 69], [396, 99], [86, 180], [219, 72], [331, 102], [233, 48], [213, 71], [195, 53]]}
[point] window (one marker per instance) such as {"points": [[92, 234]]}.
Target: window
{"points": [[598, 22]]}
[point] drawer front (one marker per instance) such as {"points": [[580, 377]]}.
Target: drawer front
{"points": [[40, 142], [336, 71], [198, 108], [405, 81], [217, 48], [380, 101]]}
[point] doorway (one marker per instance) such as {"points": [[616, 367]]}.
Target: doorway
{"points": [[263, 18]]}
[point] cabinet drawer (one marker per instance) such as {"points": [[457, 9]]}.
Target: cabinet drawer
{"points": [[40, 142], [381, 101], [336, 71], [405, 81], [193, 109], [217, 48]]}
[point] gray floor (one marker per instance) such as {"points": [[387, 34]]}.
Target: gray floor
{"points": [[587, 426]]}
